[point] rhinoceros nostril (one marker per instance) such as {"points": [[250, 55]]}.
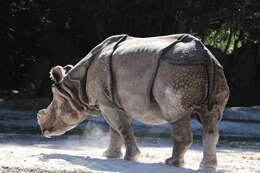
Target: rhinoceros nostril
{"points": [[47, 129], [39, 116]]}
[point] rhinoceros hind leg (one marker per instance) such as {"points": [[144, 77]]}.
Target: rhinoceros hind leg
{"points": [[210, 139], [182, 140], [114, 149]]}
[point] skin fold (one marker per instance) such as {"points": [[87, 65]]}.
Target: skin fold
{"points": [[153, 80]]}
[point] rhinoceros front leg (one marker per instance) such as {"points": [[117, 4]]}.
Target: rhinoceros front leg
{"points": [[114, 148], [182, 140], [210, 140], [132, 151], [121, 124]]}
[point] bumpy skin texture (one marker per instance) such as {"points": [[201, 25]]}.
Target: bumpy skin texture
{"points": [[152, 80]]}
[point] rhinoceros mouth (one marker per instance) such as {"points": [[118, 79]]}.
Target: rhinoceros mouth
{"points": [[46, 134], [49, 134], [53, 131]]}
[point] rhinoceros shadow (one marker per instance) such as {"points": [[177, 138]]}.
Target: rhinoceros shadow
{"points": [[116, 165]]}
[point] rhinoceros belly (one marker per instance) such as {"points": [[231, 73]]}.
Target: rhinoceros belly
{"points": [[152, 115]]}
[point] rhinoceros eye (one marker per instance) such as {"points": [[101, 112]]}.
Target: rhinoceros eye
{"points": [[56, 87]]}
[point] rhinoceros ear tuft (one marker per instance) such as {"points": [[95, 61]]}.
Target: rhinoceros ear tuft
{"points": [[67, 68], [57, 73]]}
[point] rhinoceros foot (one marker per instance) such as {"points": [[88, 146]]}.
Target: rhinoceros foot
{"points": [[132, 155], [112, 154], [208, 163], [173, 162]]}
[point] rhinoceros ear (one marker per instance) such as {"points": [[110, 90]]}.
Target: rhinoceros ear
{"points": [[57, 73], [67, 68]]}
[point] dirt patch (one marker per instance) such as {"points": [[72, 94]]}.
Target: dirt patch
{"points": [[77, 154]]}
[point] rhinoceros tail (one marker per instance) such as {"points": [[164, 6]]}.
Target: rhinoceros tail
{"points": [[211, 82], [211, 64]]}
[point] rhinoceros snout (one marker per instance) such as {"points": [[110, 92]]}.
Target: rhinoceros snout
{"points": [[41, 116], [42, 111]]}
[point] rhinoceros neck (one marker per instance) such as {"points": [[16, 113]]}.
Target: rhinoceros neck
{"points": [[75, 84], [75, 81]]}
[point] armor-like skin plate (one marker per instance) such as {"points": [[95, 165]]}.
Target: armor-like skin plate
{"points": [[153, 80]]}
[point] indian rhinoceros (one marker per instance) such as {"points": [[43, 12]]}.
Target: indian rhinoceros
{"points": [[155, 80]]}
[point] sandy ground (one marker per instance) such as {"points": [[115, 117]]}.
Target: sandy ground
{"points": [[85, 153], [33, 153]]}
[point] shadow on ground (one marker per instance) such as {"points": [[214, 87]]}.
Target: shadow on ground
{"points": [[116, 165]]}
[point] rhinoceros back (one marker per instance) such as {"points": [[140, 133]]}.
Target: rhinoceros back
{"points": [[134, 67], [124, 72]]}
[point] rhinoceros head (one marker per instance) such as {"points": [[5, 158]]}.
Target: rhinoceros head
{"points": [[63, 113]]}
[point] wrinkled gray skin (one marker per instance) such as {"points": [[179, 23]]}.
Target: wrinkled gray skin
{"points": [[144, 84]]}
